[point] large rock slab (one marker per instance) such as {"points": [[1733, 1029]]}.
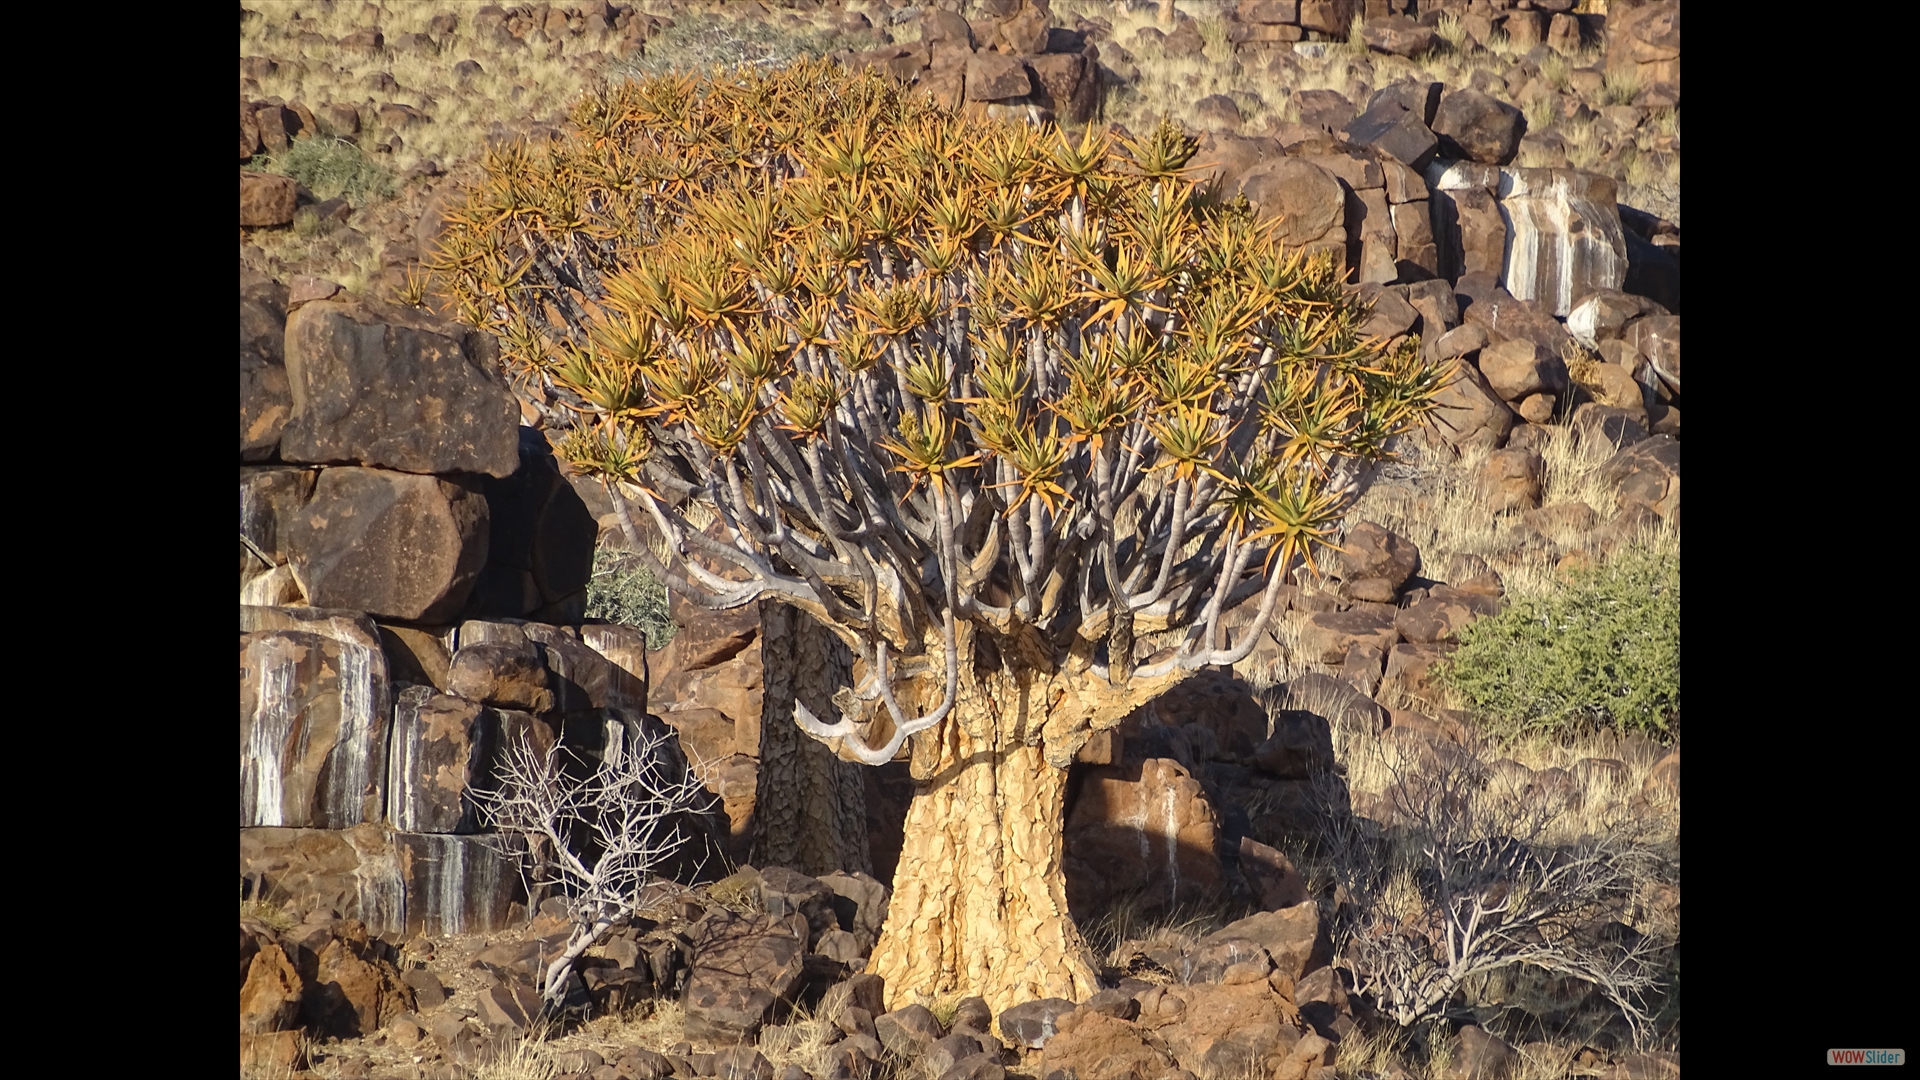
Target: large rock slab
{"points": [[1091, 1044], [1141, 825], [266, 199], [378, 386], [742, 965], [394, 544], [1219, 1032], [445, 750], [1294, 937], [393, 882], [1566, 236], [313, 728]]}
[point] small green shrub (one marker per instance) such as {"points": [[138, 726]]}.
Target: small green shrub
{"points": [[331, 168], [625, 592], [1602, 648]]}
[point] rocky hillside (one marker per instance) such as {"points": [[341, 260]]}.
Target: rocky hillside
{"points": [[1499, 177]]}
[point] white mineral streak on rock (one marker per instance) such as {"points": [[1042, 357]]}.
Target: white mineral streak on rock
{"points": [[1563, 236]]}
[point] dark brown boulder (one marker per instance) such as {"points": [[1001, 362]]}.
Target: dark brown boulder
{"points": [[1478, 127], [396, 545], [398, 389]]}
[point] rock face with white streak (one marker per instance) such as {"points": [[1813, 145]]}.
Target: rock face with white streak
{"points": [[313, 729], [402, 883], [1564, 236], [1552, 236], [1141, 823]]}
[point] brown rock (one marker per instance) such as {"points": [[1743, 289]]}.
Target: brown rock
{"points": [[1442, 614], [1519, 367], [1271, 875], [1507, 319], [742, 965], [1068, 84], [1536, 408], [357, 991], [1308, 200], [1371, 551], [1300, 747], [1594, 423], [312, 730], [1327, 636], [1409, 671], [396, 389], [397, 545], [445, 749], [1091, 1044], [1478, 127], [1512, 479], [1269, 12], [1398, 35], [996, 76], [1230, 1030], [1294, 937], [1484, 1056], [276, 1053], [266, 199], [511, 676], [1329, 16], [1143, 825], [270, 992], [1648, 474]]}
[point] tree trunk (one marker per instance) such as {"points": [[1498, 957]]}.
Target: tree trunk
{"points": [[979, 900], [810, 810]]}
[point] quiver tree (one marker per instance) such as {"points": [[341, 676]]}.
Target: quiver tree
{"points": [[995, 406]]}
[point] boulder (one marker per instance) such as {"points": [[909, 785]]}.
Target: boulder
{"points": [[1398, 35], [1369, 551], [1293, 936], [1327, 636], [270, 990], [1604, 314], [357, 990], [1519, 366], [859, 904], [508, 675], [1658, 339], [1566, 235], [742, 965], [1033, 1024], [1328, 109], [1300, 747], [1469, 233], [1469, 415], [1483, 1056], [394, 882], [396, 388], [993, 76], [266, 199], [396, 545], [1647, 474], [1409, 671], [1478, 127], [445, 750], [1089, 1043], [787, 892], [1442, 614], [908, 1031], [1229, 1031], [1067, 83], [1308, 200], [1143, 825], [1269, 12], [1506, 318], [1271, 876], [1511, 480], [270, 496], [1614, 387], [1336, 699], [1329, 16], [313, 729]]}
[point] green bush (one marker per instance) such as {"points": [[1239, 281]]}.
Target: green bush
{"points": [[625, 592], [1603, 648], [331, 168]]}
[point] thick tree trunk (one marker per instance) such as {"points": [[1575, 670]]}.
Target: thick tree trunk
{"points": [[979, 900], [810, 812]]}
